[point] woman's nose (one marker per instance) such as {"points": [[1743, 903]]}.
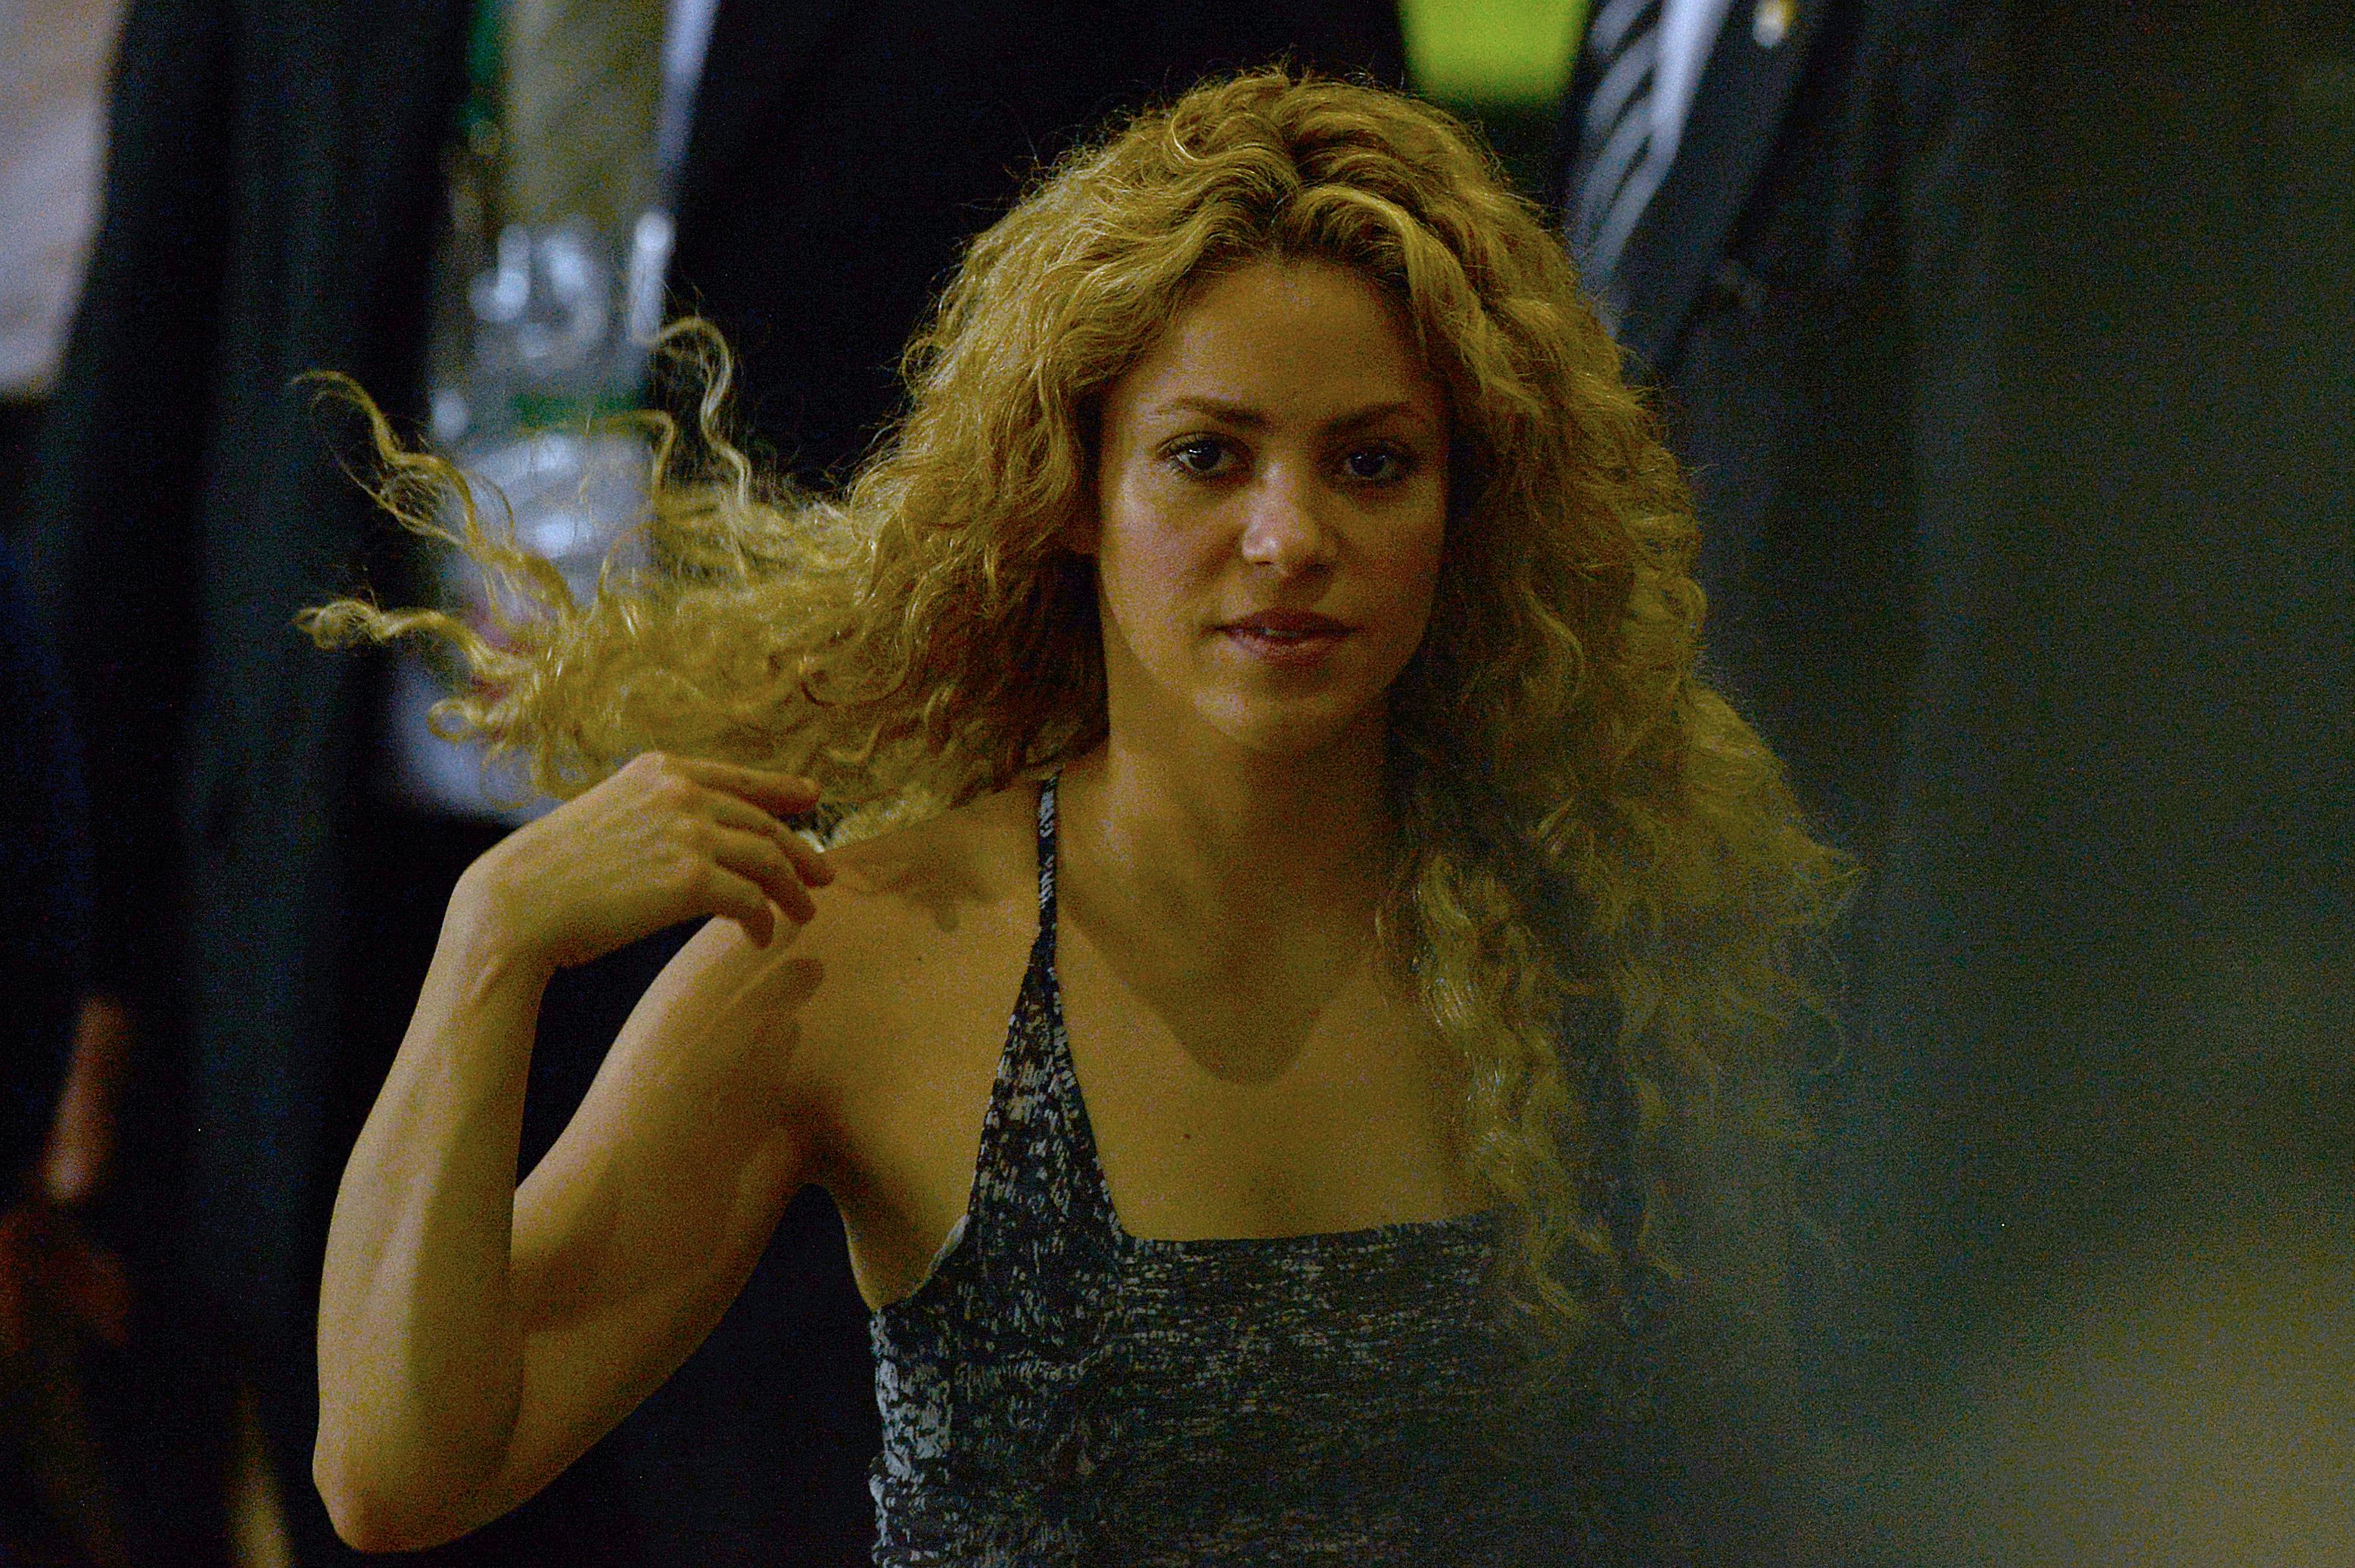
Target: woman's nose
{"points": [[1282, 531]]}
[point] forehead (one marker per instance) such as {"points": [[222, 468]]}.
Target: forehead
{"points": [[1289, 340]]}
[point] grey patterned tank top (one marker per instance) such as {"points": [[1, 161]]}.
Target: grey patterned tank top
{"points": [[1059, 1392]]}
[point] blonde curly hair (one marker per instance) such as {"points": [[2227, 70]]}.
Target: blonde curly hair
{"points": [[1602, 885]]}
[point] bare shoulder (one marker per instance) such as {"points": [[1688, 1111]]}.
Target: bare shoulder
{"points": [[979, 854], [923, 931], [932, 877], [922, 938]]}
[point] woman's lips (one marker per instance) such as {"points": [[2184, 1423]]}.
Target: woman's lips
{"points": [[1287, 638]]}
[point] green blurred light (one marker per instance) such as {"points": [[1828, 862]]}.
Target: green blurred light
{"points": [[1490, 51]]}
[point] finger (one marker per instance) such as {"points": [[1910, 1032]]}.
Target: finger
{"points": [[731, 897], [760, 859], [809, 861], [783, 795]]}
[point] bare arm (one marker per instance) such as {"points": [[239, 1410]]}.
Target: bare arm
{"points": [[473, 1340]]}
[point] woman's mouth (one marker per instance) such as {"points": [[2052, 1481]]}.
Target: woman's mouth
{"points": [[1285, 638]]}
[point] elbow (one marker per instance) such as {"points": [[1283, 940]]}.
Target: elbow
{"points": [[366, 1522], [363, 1524], [371, 1518], [392, 1478]]}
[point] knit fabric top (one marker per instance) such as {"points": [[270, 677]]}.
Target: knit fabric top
{"points": [[1059, 1390]]}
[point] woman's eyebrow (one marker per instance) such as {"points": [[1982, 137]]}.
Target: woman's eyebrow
{"points": [[1217, 408], [1248, 418]]}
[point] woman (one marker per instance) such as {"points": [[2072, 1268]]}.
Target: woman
{"points": [[1262, 656]]}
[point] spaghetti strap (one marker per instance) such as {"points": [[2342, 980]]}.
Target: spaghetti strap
{"points": [[1036, 1184], [1047, 824]]}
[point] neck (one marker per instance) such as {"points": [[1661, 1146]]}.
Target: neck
{"points": [[1217, 830]]}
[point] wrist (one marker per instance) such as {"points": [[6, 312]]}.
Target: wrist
{"points": [[481, 935]]}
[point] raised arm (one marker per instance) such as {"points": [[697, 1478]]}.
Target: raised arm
{"points": [[473, 1340]]}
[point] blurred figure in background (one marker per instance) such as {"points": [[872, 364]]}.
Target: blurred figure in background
{"points": [[56, 1288], [79, 1482], [53, 68], [473, 209], [1784, 207], [53, 64], [2012, 347]]}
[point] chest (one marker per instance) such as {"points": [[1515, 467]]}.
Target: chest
{"points": [[1241, 1105], [1230, 1119]]}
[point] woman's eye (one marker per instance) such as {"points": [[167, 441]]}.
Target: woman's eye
{"points": [[1376, 465], [1202, 457]]}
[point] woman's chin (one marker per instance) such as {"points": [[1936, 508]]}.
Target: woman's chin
{"points": [[1300, 731]]}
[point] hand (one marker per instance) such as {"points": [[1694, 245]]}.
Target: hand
{"points": [[664, 839], [50, 1271], [81, 1134]]}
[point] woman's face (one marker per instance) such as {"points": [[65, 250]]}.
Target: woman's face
{"points": [[1272, 499]]}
